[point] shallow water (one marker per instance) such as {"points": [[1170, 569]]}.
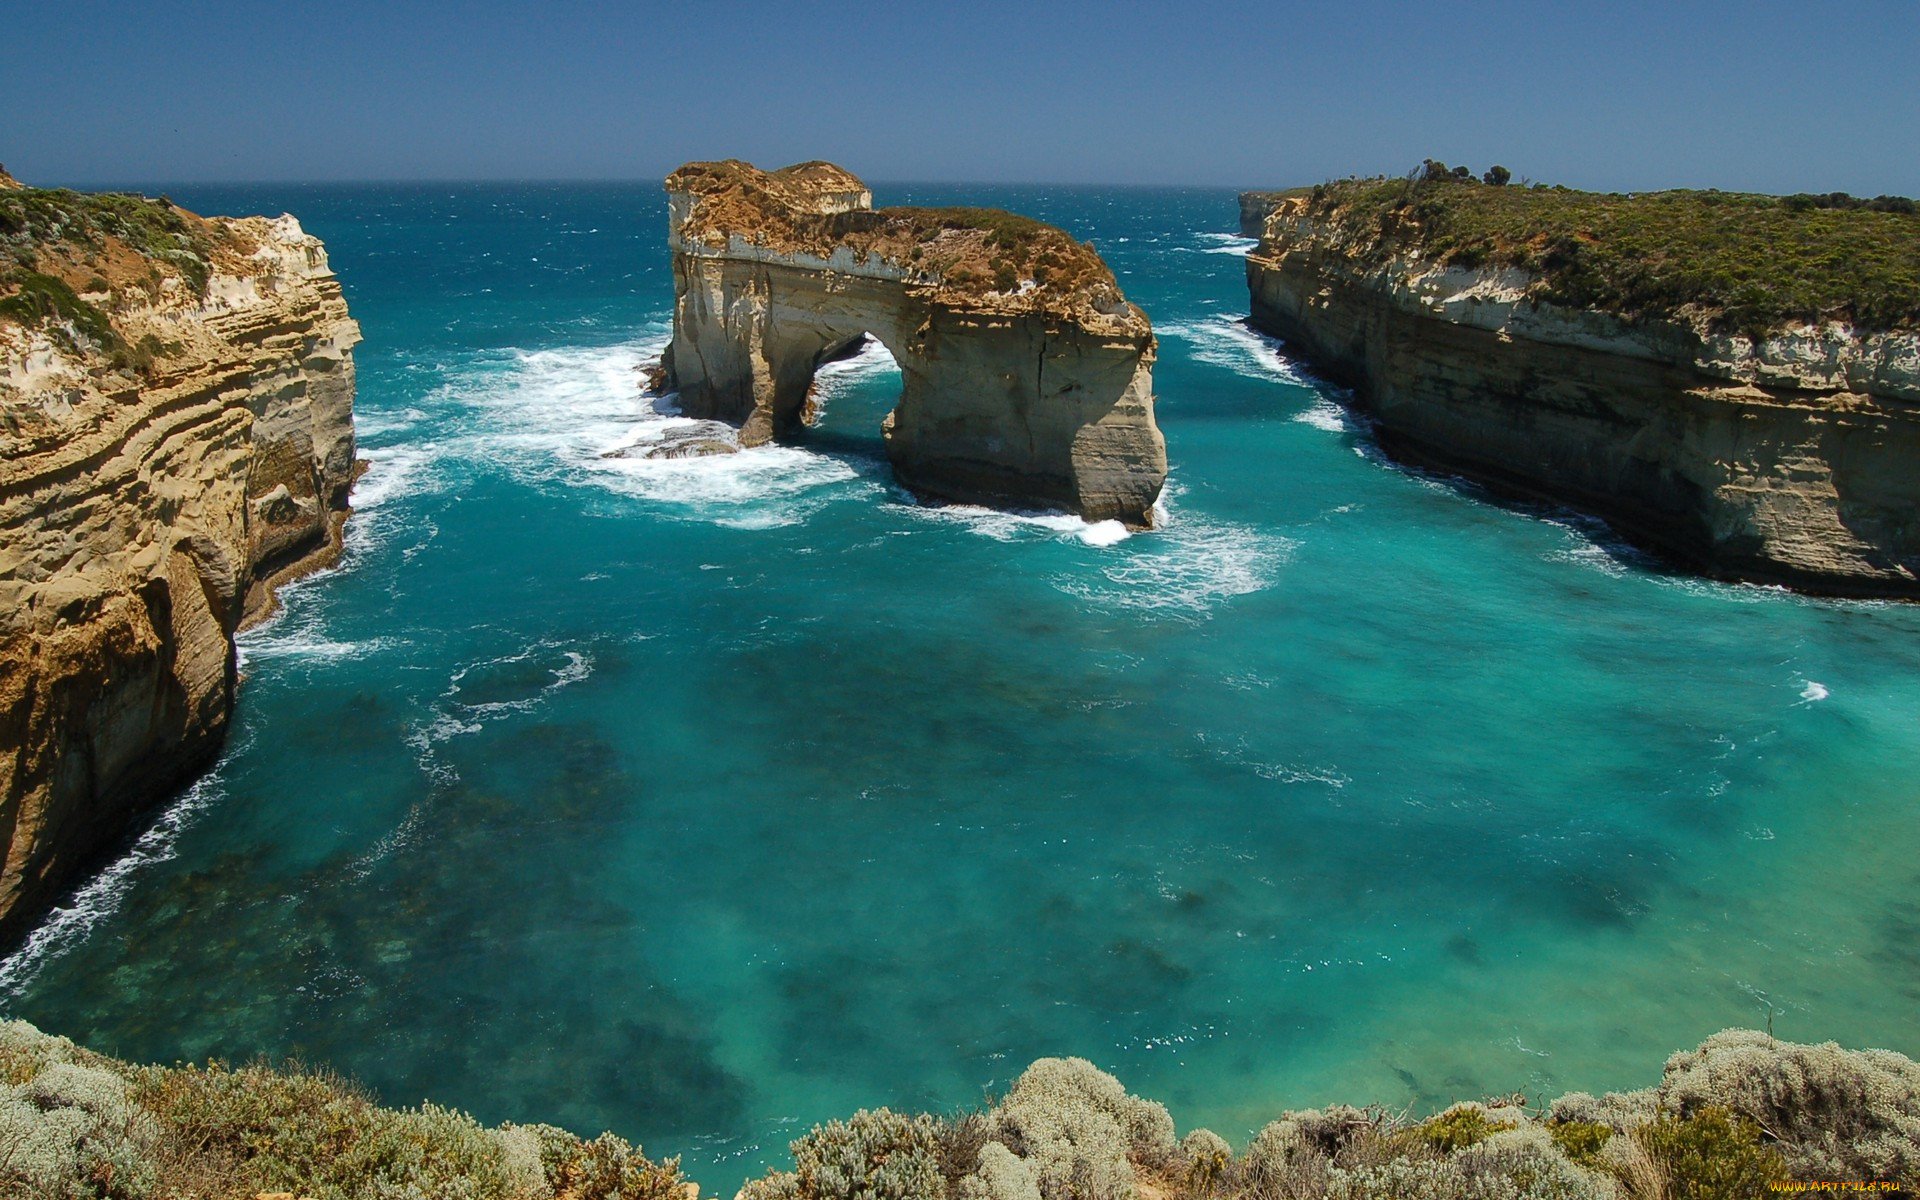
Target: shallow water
{"points": [[704, 799]]}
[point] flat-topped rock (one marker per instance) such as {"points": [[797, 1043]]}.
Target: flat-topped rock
{"points": [[1026, 374]]}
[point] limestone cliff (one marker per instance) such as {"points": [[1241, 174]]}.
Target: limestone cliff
{"points": [[1255, 207], [176, 437], [1784, 455], [1026, 375]]}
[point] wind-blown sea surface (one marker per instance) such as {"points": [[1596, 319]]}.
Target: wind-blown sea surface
{"points": [[706, 799]]}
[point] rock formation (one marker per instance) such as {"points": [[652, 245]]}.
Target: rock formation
{"points": [[176, 437], [1786, 458], [1027, 376]]}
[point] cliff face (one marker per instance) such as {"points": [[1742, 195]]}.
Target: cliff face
{"points": [[1027, 377], [161, 472], [1255, 207], [1790, 459]]}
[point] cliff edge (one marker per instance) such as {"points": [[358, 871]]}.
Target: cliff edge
{"points": [[176, 437], [1733, 381], [1026, 375]]}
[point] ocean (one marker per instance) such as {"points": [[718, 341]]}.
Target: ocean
{"points": [[702, 800]]}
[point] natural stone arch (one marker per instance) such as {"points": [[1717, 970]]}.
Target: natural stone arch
{"points": [[1032, 394]]}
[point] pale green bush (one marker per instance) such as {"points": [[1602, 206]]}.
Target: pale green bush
{"points": [[1204, 1162], [1620, 1111], [1080, 1130], [1000, 1174], [1525, 1155], [1837, 1114], [1288, 1159], [876, 1155], [70, 1133]]}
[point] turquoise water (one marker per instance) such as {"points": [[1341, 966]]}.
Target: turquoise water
{"points": [[702, 800]]}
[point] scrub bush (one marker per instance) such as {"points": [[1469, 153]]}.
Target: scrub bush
{"points": [[1711, 1155], [878, 1154], [1836, 1114], [1205, 1162]]}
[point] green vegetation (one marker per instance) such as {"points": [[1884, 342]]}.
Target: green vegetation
{"points": [[1457, 1128], [42, 299], [964, 251], [1748, 263], [1711, 1155], [79, 1126], [1581, 1141], [51, 237], [1727, 1119]]}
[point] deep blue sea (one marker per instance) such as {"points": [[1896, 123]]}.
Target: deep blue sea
{"points": [[705, 799]]}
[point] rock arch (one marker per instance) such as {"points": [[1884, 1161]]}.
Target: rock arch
{"points": [[1026, 377]]}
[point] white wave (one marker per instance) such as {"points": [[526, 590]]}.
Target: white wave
{"points": [[566, 415], [1224, 341], [392, 471], [369, 422], [1221, 243], [296, 632], [1325, 414], [1188, 567], [871, 361], [1813, 693], [68, 925], [1012, 526]]}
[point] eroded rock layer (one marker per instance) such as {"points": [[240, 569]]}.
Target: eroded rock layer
{"points": [[1026, 375], [1788, 459], [159, 474]]}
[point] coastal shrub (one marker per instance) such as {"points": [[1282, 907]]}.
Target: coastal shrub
{"points": [[1736, 262], [1497, 176], [1204, 1161], [605, 1168], [1080, 1130], [1290, 1158], [877, 1154], [72, 1133], [1711, 1155], [1000, 1174], [1464, 1125], [1499, 1175], [1836, 1114], [47, 300], [1616, 1110], [1580, 1141]]}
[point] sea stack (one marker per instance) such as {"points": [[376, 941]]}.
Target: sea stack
{"points": [[1026, 374], [176, 438], [1732, 381]]}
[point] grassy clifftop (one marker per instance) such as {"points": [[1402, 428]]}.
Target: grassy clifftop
{"points": [[70, 261], [1741, 262], [1725, 1122], [968, 252]]}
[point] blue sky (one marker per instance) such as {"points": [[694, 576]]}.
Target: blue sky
{"points": [[1758, 95]]}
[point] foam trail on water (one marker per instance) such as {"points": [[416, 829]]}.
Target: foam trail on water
{"points": [[1220, 243], [1187, 568], [1224, 341], [577, 416], [1325, 414], [1005, 526], [101, 897]]}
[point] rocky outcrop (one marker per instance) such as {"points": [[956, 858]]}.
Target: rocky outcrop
{"points": [[1026, 375], [1255, 208], [1788, 459], [176, 437]]}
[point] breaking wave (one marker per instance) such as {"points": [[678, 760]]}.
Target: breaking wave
{"points": [[1188, 568], [1229, 342]]}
